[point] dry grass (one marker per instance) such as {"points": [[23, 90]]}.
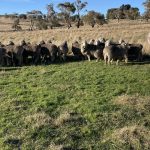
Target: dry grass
{"points": [[134, 101], [131, 31], [6, 24], [42, 119], [38, 120], [138, 137], [64, 116], [135, 135], [55, 147]]}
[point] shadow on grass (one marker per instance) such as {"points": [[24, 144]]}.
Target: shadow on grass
{"points": [[139, 63], [71, 59], [9, 68]]}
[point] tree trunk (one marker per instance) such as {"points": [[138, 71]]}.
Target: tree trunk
{"points": [[69, 25], [93, 25], [31, 25], [78, 23], [118, 20]]}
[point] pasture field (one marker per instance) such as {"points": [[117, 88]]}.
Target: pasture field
{"points": [[131, 31], [75, 106]]}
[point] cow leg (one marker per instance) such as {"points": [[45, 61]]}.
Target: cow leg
{"points": [[117, 62], [109, 59], [105, 59], [8, 62], [97, 60], [140, 57], [126, 59], [89, 57], [52, 58], [37, 60], [2, 61], [20, 61], [64, 57]]}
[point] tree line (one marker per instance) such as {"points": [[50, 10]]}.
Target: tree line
{"points": [[76, 13]]}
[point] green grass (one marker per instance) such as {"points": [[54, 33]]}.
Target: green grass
{"points": [[81, 105]]}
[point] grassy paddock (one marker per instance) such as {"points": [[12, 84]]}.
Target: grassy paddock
{"points": [[130, 31], [80, 105]]}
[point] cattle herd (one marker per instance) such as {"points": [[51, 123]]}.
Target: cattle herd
{"points": [[47, 52]]}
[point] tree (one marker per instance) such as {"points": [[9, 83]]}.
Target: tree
{"points": [[67, 9], [92, 18], [125, 7], [147, 5], [22, 16], [133, 13], [100, 19], [16, 25], [41, 24], [147, 9], [123, 12], [79, 5], [115, 13], [35, 14], [118, 14], [32, 22], [50, 11], [52, 16]]}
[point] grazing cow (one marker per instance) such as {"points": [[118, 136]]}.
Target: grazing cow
{"points": [[53, 50], [49, 51], [101, 40], [63, 50], [45, 54], [14, 54], [100, 46], [33, 51], [115, 52], [18, 55], [76, 50], [91, 50], [121, 41], [135, 52], [3, 56], [28, 52], [1, 45], [92, 42], [9, 50]]}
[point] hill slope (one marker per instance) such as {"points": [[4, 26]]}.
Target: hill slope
{"points": [[131, 31]]}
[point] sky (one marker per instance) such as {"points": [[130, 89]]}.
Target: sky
{"points": [[22, 6]]}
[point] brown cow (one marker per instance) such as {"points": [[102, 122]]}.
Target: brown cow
{"points": [[91, 50], [115, 52]]}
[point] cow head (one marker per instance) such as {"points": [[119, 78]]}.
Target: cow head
{"points": [[92, 41], [11, 43], [102, 40], [83, 46], [108, 43]]}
